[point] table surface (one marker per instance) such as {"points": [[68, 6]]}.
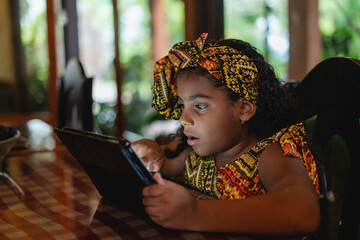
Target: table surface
{"points": [[53, 198]]}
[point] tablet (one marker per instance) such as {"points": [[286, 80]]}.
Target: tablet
{"points": [[117, 172]]}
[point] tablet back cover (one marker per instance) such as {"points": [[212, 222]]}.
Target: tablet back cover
{"points": [[111, 164]]}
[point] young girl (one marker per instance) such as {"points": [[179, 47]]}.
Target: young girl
{"points": [[240, 145]]}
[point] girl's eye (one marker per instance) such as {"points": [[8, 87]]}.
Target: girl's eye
{"points": [[200, 106]]}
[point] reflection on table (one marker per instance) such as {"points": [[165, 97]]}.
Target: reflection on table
{"points": [[35, 135], [58, 201], [58, 198]]}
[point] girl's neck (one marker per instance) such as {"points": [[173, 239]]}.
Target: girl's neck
{"points": [[223, 158]]}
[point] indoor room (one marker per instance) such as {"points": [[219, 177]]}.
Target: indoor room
{"points": [[106, 104]]}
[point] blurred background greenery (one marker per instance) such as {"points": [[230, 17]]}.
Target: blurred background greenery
{"points": [[263, 23]]}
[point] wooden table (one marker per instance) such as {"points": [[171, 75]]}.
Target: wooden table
{"points": [[57, 200]]}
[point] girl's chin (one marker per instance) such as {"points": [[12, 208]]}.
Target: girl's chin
{"points": [[201, 152]]}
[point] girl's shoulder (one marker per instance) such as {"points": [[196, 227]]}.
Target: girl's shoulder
{"points": [[293, 143], [290, 138], [295, 131]]}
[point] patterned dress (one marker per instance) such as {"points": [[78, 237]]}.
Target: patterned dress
{"points": [[240, 178]]}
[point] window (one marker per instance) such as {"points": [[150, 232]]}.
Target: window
{"points": [[97, 54], [143, 39], [147, 33], [24, 72], [264, 24], [340, 28]]}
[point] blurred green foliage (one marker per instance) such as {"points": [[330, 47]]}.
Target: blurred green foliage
{"points": [[136, 56], [340, 28], [257, 22], [264, 24], [34, 40]]}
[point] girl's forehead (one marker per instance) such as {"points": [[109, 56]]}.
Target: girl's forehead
{"points": [[192, 79], [196, 85]]}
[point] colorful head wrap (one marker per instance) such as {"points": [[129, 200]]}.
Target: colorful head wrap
{"points": [[226, 64]]}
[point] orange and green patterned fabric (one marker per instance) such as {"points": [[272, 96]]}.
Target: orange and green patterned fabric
{"points": [[240, 178]]}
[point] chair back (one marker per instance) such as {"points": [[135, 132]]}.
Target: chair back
{"points": [[75, 98], [328, 101]]}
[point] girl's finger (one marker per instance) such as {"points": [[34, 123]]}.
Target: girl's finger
{"points": [[155, 190], [159, 179], [152, 212]]}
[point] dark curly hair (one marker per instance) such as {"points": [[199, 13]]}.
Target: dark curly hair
{"points": [[273, 111]]}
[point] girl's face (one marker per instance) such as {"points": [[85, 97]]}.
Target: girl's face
{"points": [[210, 120]]}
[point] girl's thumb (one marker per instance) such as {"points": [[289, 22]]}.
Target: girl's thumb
{"points": [[159, 179]]}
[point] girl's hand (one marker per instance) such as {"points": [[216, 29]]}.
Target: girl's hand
{"points": [[151, 154], [169, 204]]}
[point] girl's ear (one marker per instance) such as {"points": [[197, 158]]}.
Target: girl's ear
{"points": [[247, 110]]}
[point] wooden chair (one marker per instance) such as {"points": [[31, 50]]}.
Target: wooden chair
{"points": [[75, 98], [328, 101]]}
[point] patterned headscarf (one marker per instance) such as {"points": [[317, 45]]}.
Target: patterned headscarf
{"points": [[228, 65]]}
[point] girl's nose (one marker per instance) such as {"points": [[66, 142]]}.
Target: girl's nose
{"points": [[184, 124], [185, 121]]}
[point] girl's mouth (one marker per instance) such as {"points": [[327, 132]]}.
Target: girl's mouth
{"points": [[192, 140]]}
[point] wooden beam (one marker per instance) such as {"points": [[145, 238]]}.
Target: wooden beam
{"points": [[52, 86], [304, 37], [120, 121], [160, 39], [21, 94], [204, 16]]}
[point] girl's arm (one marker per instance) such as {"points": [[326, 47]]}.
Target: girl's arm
{"points": [[289, 207]]}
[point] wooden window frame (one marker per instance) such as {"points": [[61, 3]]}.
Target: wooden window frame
{"points": [[49, 116], [200, 16]]}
